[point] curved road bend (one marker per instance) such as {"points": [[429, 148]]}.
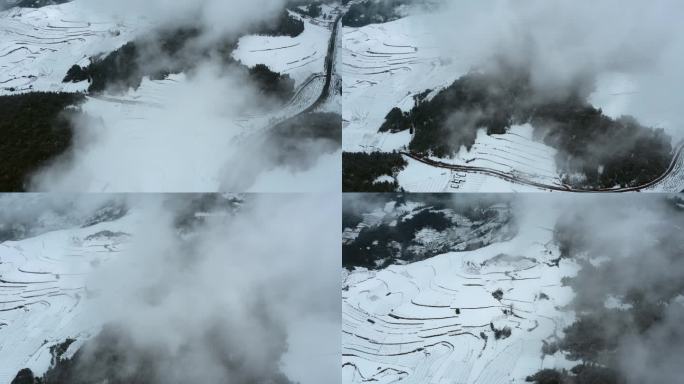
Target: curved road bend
{"points": [[565, 188]]}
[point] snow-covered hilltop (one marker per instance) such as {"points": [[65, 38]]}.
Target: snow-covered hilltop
{"points": [[470, 316], [43, 291], [464, 98], [39, 45], [558, 301], [173, 103], [168, 289]]}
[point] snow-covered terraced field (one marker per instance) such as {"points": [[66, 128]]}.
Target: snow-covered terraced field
{"points": [[433, 321], [298, 56], [43, 289], [302, 57], [139, 121], [674, 182], [385, 65], [38, 46], [421, 177], [515, 153], [438, 175], [42, 44]]}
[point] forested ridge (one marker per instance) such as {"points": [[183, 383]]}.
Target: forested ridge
{"points": [[174, 51], [594, 150], [393, 240], [361, 170]]}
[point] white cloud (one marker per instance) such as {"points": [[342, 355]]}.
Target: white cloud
{"points": [[563, 41]]}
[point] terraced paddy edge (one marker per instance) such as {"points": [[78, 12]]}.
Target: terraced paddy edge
{"points": [[516, 309], [396, 65], [43, 291], [135, 118], [84, 290], [469, 316]]}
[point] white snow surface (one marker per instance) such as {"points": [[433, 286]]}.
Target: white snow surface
{"points": [[301, 57], [43, 290], [515, 152], [139, 146], [422, 323], [385, 65], [38, 46], [45, 298]]}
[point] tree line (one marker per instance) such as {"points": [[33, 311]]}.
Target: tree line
{"points": [[604, 151], [372, 12], [37, 128], [172, 51], [360, 170]]}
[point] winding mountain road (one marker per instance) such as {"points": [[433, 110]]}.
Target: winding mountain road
{"points": [[329, 67], [676, 159]]}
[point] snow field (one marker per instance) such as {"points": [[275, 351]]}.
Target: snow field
{"points": [[515, 153], [385, 65], [423, 322], [43, 289], [38, 46]]}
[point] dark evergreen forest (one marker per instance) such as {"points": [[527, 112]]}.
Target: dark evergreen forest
{"points": [[372, 12], [389, 242], [609, 152], [360, 170], [173, 51], [36, 127]]}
